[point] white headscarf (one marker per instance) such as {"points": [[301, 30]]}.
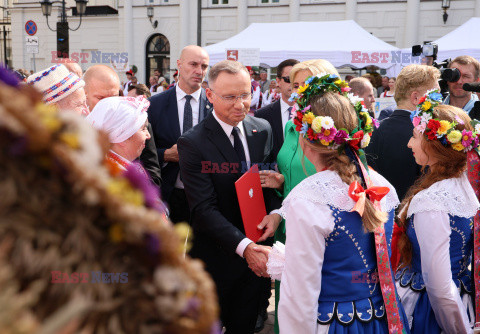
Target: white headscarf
{"points": [[119, 117]]}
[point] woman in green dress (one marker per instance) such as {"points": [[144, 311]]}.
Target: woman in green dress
{"points": [[293, 166]]}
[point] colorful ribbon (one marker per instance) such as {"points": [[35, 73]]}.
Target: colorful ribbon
{"points": [[397, 233], [395, 325], [473, 164], [359, 195]]}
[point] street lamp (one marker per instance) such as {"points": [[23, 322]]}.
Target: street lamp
{"points": [[445, 6], [62, 25], [150, 17]]}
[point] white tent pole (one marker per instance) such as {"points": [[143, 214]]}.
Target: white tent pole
{"points": [[477, 8], [242, 18], [294, 10], [411, 23], [351, 9]]}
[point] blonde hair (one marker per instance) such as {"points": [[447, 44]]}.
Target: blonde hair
{"points": [[412, 78], [341, 111], [450, 164], [315, 66]]}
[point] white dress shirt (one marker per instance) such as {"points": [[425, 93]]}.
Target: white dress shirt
{"points": [[285, 114], [195, 103], [228, 131]]}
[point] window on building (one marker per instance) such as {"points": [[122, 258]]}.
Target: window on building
{"points": [[219, 2], [270, 1]]}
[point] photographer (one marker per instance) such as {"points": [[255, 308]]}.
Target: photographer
{"points": [[469, 69]]}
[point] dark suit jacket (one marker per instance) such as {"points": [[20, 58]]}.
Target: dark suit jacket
{"points": [[149, 159], [389, 155], [215, 212], [163, 116], [273, 114], [386, 113]]}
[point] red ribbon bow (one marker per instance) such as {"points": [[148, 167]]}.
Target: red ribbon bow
{"points": [[358, 194]]}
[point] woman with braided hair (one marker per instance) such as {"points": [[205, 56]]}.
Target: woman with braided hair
{"points": [[434, 280], [336, 276]]}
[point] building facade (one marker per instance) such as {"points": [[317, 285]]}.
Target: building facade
{"points": [[113, 30]]}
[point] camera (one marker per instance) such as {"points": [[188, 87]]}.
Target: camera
{"points": [[446, 74], [427, 50]]}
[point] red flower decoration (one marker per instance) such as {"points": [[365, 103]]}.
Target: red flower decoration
{"points": [[431, 135], [311, 135], [357, 138], [422, 100], [298, 123], [433, 125]]}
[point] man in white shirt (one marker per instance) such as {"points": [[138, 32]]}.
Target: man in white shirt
{"points": [[129, 75], [213, 156], [172, 113]]}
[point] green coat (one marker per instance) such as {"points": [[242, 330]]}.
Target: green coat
{"points": [[289, 160]]}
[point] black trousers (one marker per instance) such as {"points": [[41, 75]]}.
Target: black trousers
{"points": [[179, 210], [239, 303]]}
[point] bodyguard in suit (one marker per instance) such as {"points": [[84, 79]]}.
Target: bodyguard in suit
{"points": [[388, 153], [172, 113], [213, 155], [278, 113]]}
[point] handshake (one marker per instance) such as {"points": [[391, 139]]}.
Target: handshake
{"points": [[257, 255]]}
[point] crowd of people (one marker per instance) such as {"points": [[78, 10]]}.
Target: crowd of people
{"points": [[372, 221]]}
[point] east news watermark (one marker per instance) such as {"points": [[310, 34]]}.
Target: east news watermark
{"points": [[93, 57], [59, 277], [392, 57]]}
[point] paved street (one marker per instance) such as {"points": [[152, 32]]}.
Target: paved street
{"points": [[271, 316]]}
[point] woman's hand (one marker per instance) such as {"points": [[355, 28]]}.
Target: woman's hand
{"points": [[270, 224], [271, 179]]}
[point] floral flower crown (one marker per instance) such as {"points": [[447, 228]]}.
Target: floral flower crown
{"points": [[442, 130], [321, 129]]}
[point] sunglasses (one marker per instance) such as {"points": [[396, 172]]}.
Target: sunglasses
{"points": [[286, 79]]}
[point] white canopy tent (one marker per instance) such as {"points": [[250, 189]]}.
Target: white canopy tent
{"points": [[461, 41], [330, 40]]}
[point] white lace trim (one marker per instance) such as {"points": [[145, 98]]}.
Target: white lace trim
{"points": [[454, 196], [328, 188], [276, 261]]}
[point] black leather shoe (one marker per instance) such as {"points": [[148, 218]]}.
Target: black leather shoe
{"points": [[260, 323]]}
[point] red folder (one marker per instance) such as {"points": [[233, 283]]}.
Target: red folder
{"points": [[252, 204]]}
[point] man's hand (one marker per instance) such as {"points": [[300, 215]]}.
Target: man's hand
{"points": [[257, 260], [271, 179], [270, 224], [171, 154]]}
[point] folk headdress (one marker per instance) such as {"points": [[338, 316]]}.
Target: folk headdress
{"points": [[321, 129], [442, 130]]}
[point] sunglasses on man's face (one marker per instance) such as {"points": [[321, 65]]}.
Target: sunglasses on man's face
{"points": [[286, 79]]}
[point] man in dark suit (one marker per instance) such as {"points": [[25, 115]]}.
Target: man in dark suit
{"points": [[212, 157], [388, 153], [172, 113], [278, 113]]}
